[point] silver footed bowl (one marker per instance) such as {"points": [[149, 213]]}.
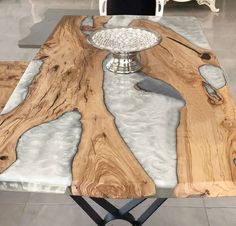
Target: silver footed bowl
{"points": [[124, 44]]}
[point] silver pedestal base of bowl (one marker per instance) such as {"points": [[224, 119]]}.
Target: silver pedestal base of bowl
{"points": [[124, 63], [124, 44]]}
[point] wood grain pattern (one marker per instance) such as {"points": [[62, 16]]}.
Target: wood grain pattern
{"points": [[71, 78], [10, 74], [206, 136], [104, 167]]}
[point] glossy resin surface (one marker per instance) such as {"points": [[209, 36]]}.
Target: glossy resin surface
{"points": [[113, 135]]}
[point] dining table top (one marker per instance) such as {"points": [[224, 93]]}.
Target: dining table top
{"points": [[168, 130]]}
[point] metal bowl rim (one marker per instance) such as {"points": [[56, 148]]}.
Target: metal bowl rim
{"points": [[157, 34]]}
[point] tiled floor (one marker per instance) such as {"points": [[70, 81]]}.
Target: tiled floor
{"points": [[27, 209], [30, 209]]}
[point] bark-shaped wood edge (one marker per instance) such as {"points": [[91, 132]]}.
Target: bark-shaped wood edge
{"points": [[206, 136], [71, 78]]}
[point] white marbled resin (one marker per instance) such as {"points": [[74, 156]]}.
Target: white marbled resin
{"points": [[44, 156], [147, 121], [213, 75], [188, 27], [157, 115], [152, 139], [88, 21], [21, 90]]}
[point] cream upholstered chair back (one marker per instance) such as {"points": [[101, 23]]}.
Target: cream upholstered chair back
{"points": [[103, 7], [159, 7]]}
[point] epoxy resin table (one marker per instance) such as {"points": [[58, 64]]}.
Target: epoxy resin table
{"points": [[169, 130]]}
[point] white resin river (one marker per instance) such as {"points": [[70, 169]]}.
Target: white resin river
{"points": [[44, 156], [147, 121]]}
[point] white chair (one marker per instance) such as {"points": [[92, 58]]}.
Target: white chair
{"points": [[159, 7]]}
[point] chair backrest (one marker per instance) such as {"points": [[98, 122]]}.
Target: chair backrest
{"points": [[103, 7], [159, 7]]}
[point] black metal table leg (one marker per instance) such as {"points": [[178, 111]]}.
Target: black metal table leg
{"points": [[131, 205], [114, 213], [150, 210], [88, 209]]}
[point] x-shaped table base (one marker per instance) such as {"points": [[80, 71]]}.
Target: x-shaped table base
{"points": [[115, 213]]}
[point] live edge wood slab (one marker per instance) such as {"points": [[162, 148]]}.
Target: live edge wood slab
{"points": [[10, 74], [104, 166]]}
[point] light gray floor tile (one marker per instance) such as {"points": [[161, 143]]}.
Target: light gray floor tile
{"points": [[227, 202], [46, 198], [171, 202], [54, 215], [222, 216], [218, 42], [178, 216], [185, 202], [7, 197], [10, 214], [167, 215], [70, 215]]}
